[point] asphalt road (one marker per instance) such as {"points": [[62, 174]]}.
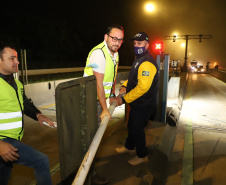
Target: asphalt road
{"points": [[199, 153]]}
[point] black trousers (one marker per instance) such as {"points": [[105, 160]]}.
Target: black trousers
{"points": [[138, 119]]}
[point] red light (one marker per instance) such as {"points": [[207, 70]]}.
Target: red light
{"points": [[158, 46]]}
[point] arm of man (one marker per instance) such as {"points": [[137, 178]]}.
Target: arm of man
{"points": [[146, 74], [97, 57], [31, 110], [101, 95]]}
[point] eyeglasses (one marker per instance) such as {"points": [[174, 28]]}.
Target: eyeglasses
{"points": [[115, 39]]}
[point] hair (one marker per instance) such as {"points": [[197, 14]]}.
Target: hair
{"points": [[114, 26], [4, 45]]}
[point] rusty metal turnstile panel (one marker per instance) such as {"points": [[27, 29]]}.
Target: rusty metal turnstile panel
{"points": [[76, 109]]}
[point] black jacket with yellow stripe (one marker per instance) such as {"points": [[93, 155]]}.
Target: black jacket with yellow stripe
{"points": [[143, 83]]}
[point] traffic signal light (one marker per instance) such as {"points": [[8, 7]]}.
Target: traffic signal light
{"points": [[158, 46]]}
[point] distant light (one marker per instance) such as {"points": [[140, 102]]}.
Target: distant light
{"points": [[183, 45], [175, 37], [158, 46], [149, 7]]}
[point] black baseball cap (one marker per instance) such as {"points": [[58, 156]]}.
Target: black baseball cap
{"points": [[140, 36]]}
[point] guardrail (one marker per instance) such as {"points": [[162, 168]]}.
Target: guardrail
{"points": [[60, 70], [90, 154]]}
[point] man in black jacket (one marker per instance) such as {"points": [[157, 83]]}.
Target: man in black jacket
{"points": [[141, 90]]}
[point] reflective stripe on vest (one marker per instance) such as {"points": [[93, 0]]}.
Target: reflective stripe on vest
{"points": [[11, 117], [11, 125], [110, 69]]}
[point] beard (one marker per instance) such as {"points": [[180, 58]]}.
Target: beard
{"points": [[114, 48]]}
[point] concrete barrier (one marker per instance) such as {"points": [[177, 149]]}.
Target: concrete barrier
{"points": [[173, 87], [43, 93], [168, 135], [219, 75]]}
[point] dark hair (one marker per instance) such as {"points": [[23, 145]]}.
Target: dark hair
{"points": [[4, 45], [114, 26]]}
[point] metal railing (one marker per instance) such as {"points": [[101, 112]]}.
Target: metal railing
{"points": [[90, 154]]}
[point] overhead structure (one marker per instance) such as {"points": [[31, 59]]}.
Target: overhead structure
{"points": [[187, 37]]}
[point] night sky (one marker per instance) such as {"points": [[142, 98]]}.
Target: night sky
{"points": [[59, 34]]}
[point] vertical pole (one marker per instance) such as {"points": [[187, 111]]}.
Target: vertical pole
{"points": [[163, 63], [22, 69], [25, 66], [173, 71], [186, 54], [158, 112], [165, 87]]}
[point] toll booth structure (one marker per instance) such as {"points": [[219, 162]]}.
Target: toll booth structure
{"points": [[163, 64]]}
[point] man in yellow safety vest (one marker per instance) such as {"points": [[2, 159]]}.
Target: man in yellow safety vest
{"points": [[13, 103]]}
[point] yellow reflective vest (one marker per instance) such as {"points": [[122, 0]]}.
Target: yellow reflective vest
{"points": [[11, 110], [110, 69]]}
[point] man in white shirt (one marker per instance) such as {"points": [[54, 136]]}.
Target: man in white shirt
{"points": [[102, 62]]}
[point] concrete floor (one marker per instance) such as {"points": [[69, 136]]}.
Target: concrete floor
{"points": [[203, 117], [108, 161]]}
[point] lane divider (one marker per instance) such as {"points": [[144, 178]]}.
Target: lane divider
{"points": [[187, 169]]}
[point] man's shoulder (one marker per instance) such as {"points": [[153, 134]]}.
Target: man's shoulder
{"points": [[97, 53]]}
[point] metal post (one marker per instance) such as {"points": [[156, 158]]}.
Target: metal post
{"points": [[163, 63], [165, 87], [22, 63], [25, 66], [186, 54]]}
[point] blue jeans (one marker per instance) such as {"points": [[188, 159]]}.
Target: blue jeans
{"points": [[28, 157]]}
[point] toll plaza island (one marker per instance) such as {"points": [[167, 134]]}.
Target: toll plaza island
{"points": [[186, 141]]}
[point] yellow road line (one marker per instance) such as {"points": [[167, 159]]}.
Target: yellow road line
{"points": [[47, 106]]}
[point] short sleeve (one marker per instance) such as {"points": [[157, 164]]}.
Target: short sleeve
{"points": [[97, 57]]}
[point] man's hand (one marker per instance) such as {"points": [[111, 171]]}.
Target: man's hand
{"points": [[117, 100], [105, 113], [122, 90], [8, 152], [42, 118]]}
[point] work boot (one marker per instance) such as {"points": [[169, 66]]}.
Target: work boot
{"points": [[136, 160], [98, 180], [123, 150]]}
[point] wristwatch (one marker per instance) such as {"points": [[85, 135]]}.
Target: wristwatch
{"points": [[112, 95]]}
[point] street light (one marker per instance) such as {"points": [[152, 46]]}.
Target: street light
{"points": [[149, 7]]}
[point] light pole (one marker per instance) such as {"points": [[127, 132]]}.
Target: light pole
{"points": [[187, 37]]}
